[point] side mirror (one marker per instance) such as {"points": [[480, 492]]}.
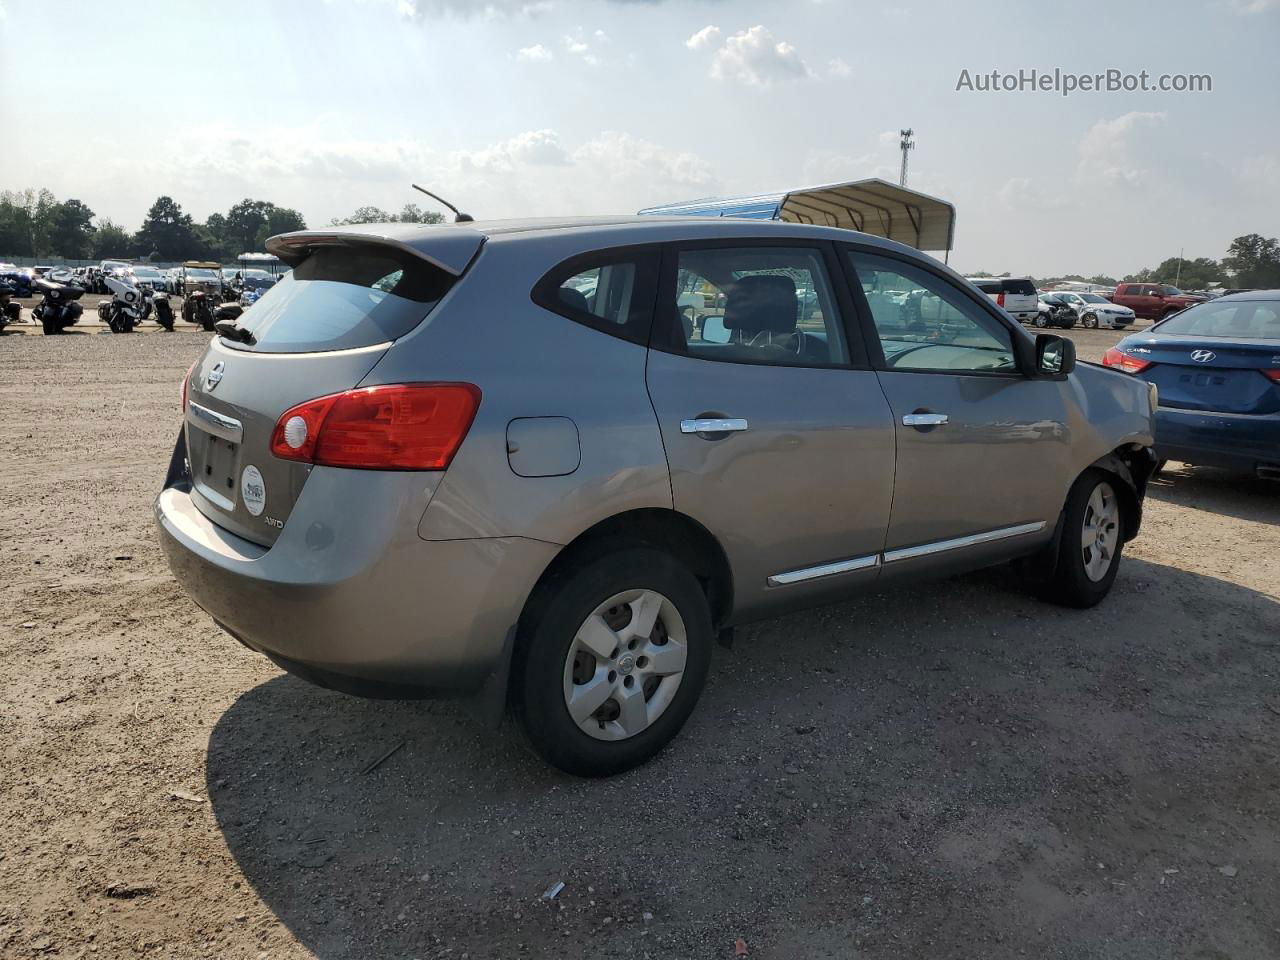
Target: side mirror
{"points": [[1055, 356]]}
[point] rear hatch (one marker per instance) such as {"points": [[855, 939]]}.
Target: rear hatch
{"points": [[1018, 296], [319, 331]]}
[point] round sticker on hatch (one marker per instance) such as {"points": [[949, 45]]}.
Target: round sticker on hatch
{"points": [[253, 490]]}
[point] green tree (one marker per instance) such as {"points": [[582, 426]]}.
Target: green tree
{"points": [[1192, 274], [245, 221], [15, 230], [409, 213], [412, 214], [1254, 260], [110, 240], [365, 215], [72, 229], [167, 232], [282, 220]]}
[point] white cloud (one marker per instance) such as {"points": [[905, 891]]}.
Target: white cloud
{"points": [[485, 9], [705, 37], [1108, 153], [838, 68], [577, 46], [754, 58], [1249, 7], [624, 156], [532, 148], [535, 54]]}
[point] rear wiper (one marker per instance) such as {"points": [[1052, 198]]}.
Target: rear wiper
{"points": [[233, 331]]}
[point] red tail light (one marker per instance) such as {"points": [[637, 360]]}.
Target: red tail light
{"points": [[403, 426], [1123, 361], [1000, 299], [1272, 375], [186, 382]]}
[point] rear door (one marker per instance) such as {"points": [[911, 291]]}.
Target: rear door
{"points": [[1019, 297], [982, 450], [318, 331], [778, 436]]}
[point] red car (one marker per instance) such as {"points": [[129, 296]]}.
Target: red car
{"points": [[1153, 301]]}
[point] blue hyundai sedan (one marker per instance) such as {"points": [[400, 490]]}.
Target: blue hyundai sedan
{"points": [[1216, 366]]}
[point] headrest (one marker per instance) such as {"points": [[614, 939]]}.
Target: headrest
{"points": [[762, 303], [575, 299]]}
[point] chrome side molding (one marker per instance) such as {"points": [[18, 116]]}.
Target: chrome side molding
{"points": [[904, 553], [972, 540], [824, 570]]}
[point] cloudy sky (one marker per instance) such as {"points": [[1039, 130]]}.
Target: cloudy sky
{"points": [[532, 107]]}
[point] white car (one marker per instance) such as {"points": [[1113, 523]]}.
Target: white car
{"points": [[1017, 295], [1095, 310]]}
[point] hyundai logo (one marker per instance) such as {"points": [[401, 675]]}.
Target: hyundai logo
{"points": [[215, 375], [1199, 356]]}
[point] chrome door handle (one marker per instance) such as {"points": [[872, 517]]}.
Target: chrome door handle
{"points": [[713, 425], [924, 419]]}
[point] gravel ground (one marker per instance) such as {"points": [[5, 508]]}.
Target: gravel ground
{"points": [[950, 771]]}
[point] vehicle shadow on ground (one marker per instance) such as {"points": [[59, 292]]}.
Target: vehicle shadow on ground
{"points": [[850, 775], [1236, 495]]}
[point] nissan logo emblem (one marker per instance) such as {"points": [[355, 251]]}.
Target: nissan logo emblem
{"points": [[215, 376], [1202, 356]]}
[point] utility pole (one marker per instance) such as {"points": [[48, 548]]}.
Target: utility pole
{"points": [[1177, 282], [906, 143]]}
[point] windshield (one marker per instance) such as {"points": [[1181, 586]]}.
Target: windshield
{"points": [[340, 298], [147, 273], [1244, 319], [198, 274], [1093, 298], [1169, 291]]}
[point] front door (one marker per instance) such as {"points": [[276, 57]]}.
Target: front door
{"points": [[778, 436], [982, 449]]}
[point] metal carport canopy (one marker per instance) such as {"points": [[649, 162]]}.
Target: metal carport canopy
{"points": [[872, 206]]}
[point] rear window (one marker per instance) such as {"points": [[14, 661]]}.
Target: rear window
{"points": [[1023, 288], [1245, 319], [988, 286], [339, 298]]}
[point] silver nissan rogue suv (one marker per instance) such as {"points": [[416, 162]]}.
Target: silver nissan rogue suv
{"points": [[549, 462]]}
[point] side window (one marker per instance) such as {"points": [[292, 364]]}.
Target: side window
{"points": [[766, 305], [611, 290], [924, 323]]}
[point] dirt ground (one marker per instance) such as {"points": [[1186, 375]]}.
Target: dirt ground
{"points": [[954, 770]]}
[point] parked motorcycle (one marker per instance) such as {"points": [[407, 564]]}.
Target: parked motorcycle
{"points": [[57, 308], [9, 311], [128, 304], [198, 306], [164, 311]]}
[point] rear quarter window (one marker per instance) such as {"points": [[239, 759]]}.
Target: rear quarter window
{"points": [[609, 290], [340, 298]]}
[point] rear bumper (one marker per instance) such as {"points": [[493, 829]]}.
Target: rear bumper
{"points": [[1229, 440], [358, 596]]}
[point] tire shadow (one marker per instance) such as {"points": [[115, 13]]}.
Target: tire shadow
{"points": [[920, 748]]}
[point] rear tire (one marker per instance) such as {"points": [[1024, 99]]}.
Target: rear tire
{"points": [[1091, 542], [631, 699]]}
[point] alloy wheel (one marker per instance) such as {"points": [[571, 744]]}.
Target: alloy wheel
{"points": [[625, 665], [1100, 534]]}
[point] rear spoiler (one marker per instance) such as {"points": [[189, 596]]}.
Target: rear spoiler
{"points": [[449, 247]]}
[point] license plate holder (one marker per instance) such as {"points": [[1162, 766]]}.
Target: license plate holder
{"points": [[215, 468]]}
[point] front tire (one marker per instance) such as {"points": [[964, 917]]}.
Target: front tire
{"points": [[1041, 320], [1091, 542], [1089, 321], [613, 655]]}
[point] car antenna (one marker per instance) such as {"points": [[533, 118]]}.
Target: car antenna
{"points": [[458, 215]]}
